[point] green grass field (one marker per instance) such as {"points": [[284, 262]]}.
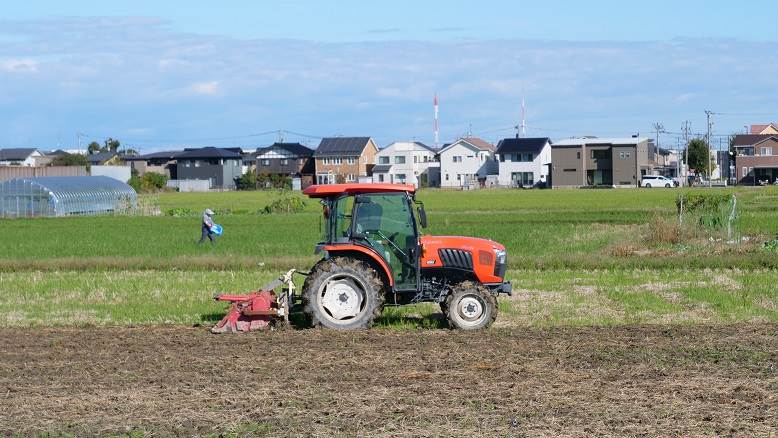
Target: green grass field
{"points": [[575, 256]]}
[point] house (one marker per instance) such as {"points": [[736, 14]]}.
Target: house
{"points": [[103, 158], [770, 128], [287, 159], [756, 158], [592, 161], [523, 162], [407, 162], [163, 162], [220, 167], [28, 157], [344, 159], [466, 162]]}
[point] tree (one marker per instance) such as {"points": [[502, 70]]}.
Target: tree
{"points": [[248, 181], [93, 148], [699, 160], [111, 145], [70, 160]]}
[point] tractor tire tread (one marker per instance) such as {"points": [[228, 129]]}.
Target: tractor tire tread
{"points": [[327, 267], [482, 291]]}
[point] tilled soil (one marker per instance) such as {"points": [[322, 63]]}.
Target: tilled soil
{"points": [[679, 380]]}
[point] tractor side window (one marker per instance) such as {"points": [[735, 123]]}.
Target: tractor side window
{"points": [[343, 209]]}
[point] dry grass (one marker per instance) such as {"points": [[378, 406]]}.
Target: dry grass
{"points": [[636, 381]]}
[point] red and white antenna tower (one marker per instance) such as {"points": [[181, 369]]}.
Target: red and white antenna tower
{"points": [[437, 138]]}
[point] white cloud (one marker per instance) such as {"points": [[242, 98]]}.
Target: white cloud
{"points": [[19, 66], [210, 88]]}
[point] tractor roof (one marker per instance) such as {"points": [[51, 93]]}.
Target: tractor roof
{"points": [[327, 190]]}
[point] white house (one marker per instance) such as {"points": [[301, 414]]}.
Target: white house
{"points": [[466, 162], [407, 162], [20, 157], [524, 162]]}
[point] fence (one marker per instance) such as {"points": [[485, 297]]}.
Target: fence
{"points": [[121, 173], [190, 185], [11, 172]]}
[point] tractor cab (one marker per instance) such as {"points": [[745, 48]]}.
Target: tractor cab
{"points": [[378, 218]]}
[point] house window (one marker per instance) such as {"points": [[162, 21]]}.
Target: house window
{"points": [[383, 160], [426, 158], [766, 151], [457, 158], [399, 159], [525, 179], [400, 177], [284, 162], [197, 163], [415, 158], [350, 160], [265, 162], [325, 161], [578, 155], [446, 177], [187, 163], [350, 177], [380, 177], [337, 161], [459, 177], [569, 170], [598, 154]]}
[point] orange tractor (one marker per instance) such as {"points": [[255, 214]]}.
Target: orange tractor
{"points": [[374, 255]]}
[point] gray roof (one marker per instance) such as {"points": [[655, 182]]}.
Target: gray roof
{"points": [[293, 148], [169, 155], [382, 168], [14, 154], [519, 145], [594, 141], [209, 152], [100, 157], [341, 146], [752, 139]]}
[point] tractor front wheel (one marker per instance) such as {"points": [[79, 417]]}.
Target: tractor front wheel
{"points": [[470, 306], [343, 293]]}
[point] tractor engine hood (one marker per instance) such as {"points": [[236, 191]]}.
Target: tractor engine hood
{"points": [[485, 258], [472, 244]]}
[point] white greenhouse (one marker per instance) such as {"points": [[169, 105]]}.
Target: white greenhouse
{"points": [[64, 196]]}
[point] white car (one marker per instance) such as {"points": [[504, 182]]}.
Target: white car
{"points": [[649, 181]]}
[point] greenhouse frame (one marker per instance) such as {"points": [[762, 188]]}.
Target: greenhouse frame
{"points": [[55, 196]]}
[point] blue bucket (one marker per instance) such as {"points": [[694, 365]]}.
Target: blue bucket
{"points": [[216, 229]]}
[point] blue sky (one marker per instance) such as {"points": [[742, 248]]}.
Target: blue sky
{"points": [[164, 74]]}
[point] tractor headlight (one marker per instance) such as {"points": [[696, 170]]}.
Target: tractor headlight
{"points": [[500, 265]]}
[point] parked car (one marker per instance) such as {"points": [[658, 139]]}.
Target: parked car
{"points": [[649, 181]]}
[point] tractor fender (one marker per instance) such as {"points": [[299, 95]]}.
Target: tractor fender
{"points": [[369, 255]]}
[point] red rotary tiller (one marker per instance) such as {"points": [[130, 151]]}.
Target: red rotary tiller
{"points": [[259, 309]]}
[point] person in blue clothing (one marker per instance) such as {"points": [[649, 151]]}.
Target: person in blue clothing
{"points": [[206, 226]]}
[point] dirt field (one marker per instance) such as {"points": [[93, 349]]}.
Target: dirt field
{"points": [[720, 380]]}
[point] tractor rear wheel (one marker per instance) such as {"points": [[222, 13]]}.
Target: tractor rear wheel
{"points": [[470, 306], [342, 293]]}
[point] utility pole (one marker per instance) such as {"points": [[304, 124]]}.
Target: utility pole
{"points": [[658, 127], [78, 139], [708, 113], [685, 128]]}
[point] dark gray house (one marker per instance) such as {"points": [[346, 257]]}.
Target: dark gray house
{"points": [[287, 159], [219, 166], [591, 161]]}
